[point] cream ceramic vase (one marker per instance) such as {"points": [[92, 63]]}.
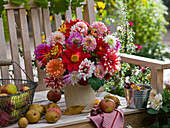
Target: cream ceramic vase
{"points": [[79, 95]]}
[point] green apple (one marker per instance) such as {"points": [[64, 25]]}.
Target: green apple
{"points": [[15, 115], [9, 89], [17, 101]]}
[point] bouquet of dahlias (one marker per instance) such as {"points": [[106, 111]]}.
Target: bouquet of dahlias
{"points": [[79, 53]]}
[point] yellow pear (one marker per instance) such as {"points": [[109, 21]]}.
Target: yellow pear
{"points": [[23, 122], [36, 107], [52, 117], [114, 98], [33, 116]]}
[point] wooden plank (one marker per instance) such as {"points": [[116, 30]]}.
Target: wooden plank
{"points": [[78, 11], [153, 80], [37, 38], [3, 54], [89, 12], [26, 43], [13, 42], [57, 21], [47, 24], [138, 60], [139, 119], [82, 125], [160, 81], [68, 14]]}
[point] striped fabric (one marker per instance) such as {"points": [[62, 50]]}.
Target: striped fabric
{"points": [[114, 119]]}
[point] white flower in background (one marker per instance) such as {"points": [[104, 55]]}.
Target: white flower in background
{"points": [[111, 40], [128, 126], [86, 68], [137, 71], [127, 79], [156, 103], [119, 28]]}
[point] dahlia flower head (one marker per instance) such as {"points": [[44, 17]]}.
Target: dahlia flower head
{"points": [[157, 102]]}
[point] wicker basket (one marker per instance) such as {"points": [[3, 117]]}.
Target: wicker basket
{"points": [[12, 107]]}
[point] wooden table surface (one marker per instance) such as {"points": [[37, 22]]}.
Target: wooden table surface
{"points": [[40, 98]]}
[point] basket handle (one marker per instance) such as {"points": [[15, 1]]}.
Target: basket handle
{"points": [[5, 62], [20, 68]]}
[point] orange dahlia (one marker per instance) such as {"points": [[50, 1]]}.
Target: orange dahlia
{"points": [[55, 68]]}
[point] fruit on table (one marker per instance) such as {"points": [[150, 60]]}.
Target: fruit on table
{"points": [[15, 115], [18, 101], [36, 107], [58, 110], [33, 116], [116, 100], [22, 122], [96, 102], [9, 89], [107, 105], [45, 107], [53, 96], [4, 118], [2, 87], [93, 112], [52, 117], [99, 111], [5, 100], [24, 88], [53, 105]]}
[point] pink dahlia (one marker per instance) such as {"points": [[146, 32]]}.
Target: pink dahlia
{"points": [[42, 53], [57, 37], [99, 27], [99, 71], [80, 27], [75, 38], [89, 43]]}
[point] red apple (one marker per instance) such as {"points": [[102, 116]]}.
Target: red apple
{"points": [[53, 96], [58, 110], [4, 118], [24, 88], [107, 105]]}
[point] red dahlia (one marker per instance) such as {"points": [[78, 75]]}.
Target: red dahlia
{"points": [[72, 57], [101, 48]]}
